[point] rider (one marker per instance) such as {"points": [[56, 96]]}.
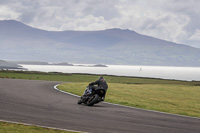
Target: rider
{"points": [[101, 84]]}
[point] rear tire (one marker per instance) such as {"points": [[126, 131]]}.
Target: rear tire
{"points": [[92, 100]]}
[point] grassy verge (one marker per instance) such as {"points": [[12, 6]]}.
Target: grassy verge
{"points": [[54, 76], [20, 128], [171, 98]]}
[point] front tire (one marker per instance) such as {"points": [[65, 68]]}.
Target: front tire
{"points": [[80, 101], [92, 100]]}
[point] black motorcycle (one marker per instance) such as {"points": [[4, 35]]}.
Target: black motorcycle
{"points": [[92, 96]]}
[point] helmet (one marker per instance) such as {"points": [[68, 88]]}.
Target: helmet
{"points": [[100, 78]]}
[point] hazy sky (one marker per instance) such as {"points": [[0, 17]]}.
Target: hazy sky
{"points": [[172, 20]]}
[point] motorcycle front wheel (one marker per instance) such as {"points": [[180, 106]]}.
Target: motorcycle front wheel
{"points": [[92, 100], [80, 101]]}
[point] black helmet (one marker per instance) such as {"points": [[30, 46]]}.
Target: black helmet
{"points": [[100, 78]]}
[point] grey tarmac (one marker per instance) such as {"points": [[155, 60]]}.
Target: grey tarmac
{"points": [[37, 102]]}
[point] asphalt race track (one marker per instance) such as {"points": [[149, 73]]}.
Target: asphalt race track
{"points": [[37, 102]]}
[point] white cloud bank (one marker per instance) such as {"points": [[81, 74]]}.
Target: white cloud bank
{"points": [[172, 20]]}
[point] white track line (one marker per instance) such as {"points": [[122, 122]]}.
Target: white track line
{"points": [[55, 87]]}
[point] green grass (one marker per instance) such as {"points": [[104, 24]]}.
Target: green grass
{"points": [[6, 127], [44, 76], [53, 76], [170, 98]]}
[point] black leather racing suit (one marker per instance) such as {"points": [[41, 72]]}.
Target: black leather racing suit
{"points": [[101, 84]]}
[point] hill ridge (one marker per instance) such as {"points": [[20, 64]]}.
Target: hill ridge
{"points": [[110, 46]]}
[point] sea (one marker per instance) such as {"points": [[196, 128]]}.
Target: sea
{"points": [[162, 72]]}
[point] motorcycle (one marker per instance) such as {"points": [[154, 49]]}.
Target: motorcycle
{"points": [[92, 96]]}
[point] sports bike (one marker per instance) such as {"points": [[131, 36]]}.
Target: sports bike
{"points": [[92, 96]]}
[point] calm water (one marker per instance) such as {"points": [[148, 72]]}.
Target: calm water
{"points": [[178, 73]]}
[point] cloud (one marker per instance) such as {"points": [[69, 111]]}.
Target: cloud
{"points": [[7, 13], [196, 36], [172, 20]]}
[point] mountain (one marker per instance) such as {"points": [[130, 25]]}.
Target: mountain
{"points": [[29, 62], [7, 65], [113, 46]]}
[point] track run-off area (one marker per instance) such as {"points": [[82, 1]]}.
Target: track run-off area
{"points": [[38, 103]]}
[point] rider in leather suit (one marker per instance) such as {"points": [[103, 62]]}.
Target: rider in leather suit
{"points": [[101, 84]]}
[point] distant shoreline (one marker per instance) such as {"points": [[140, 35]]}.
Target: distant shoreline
{"points": [[63, 64], [11, 68]]}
